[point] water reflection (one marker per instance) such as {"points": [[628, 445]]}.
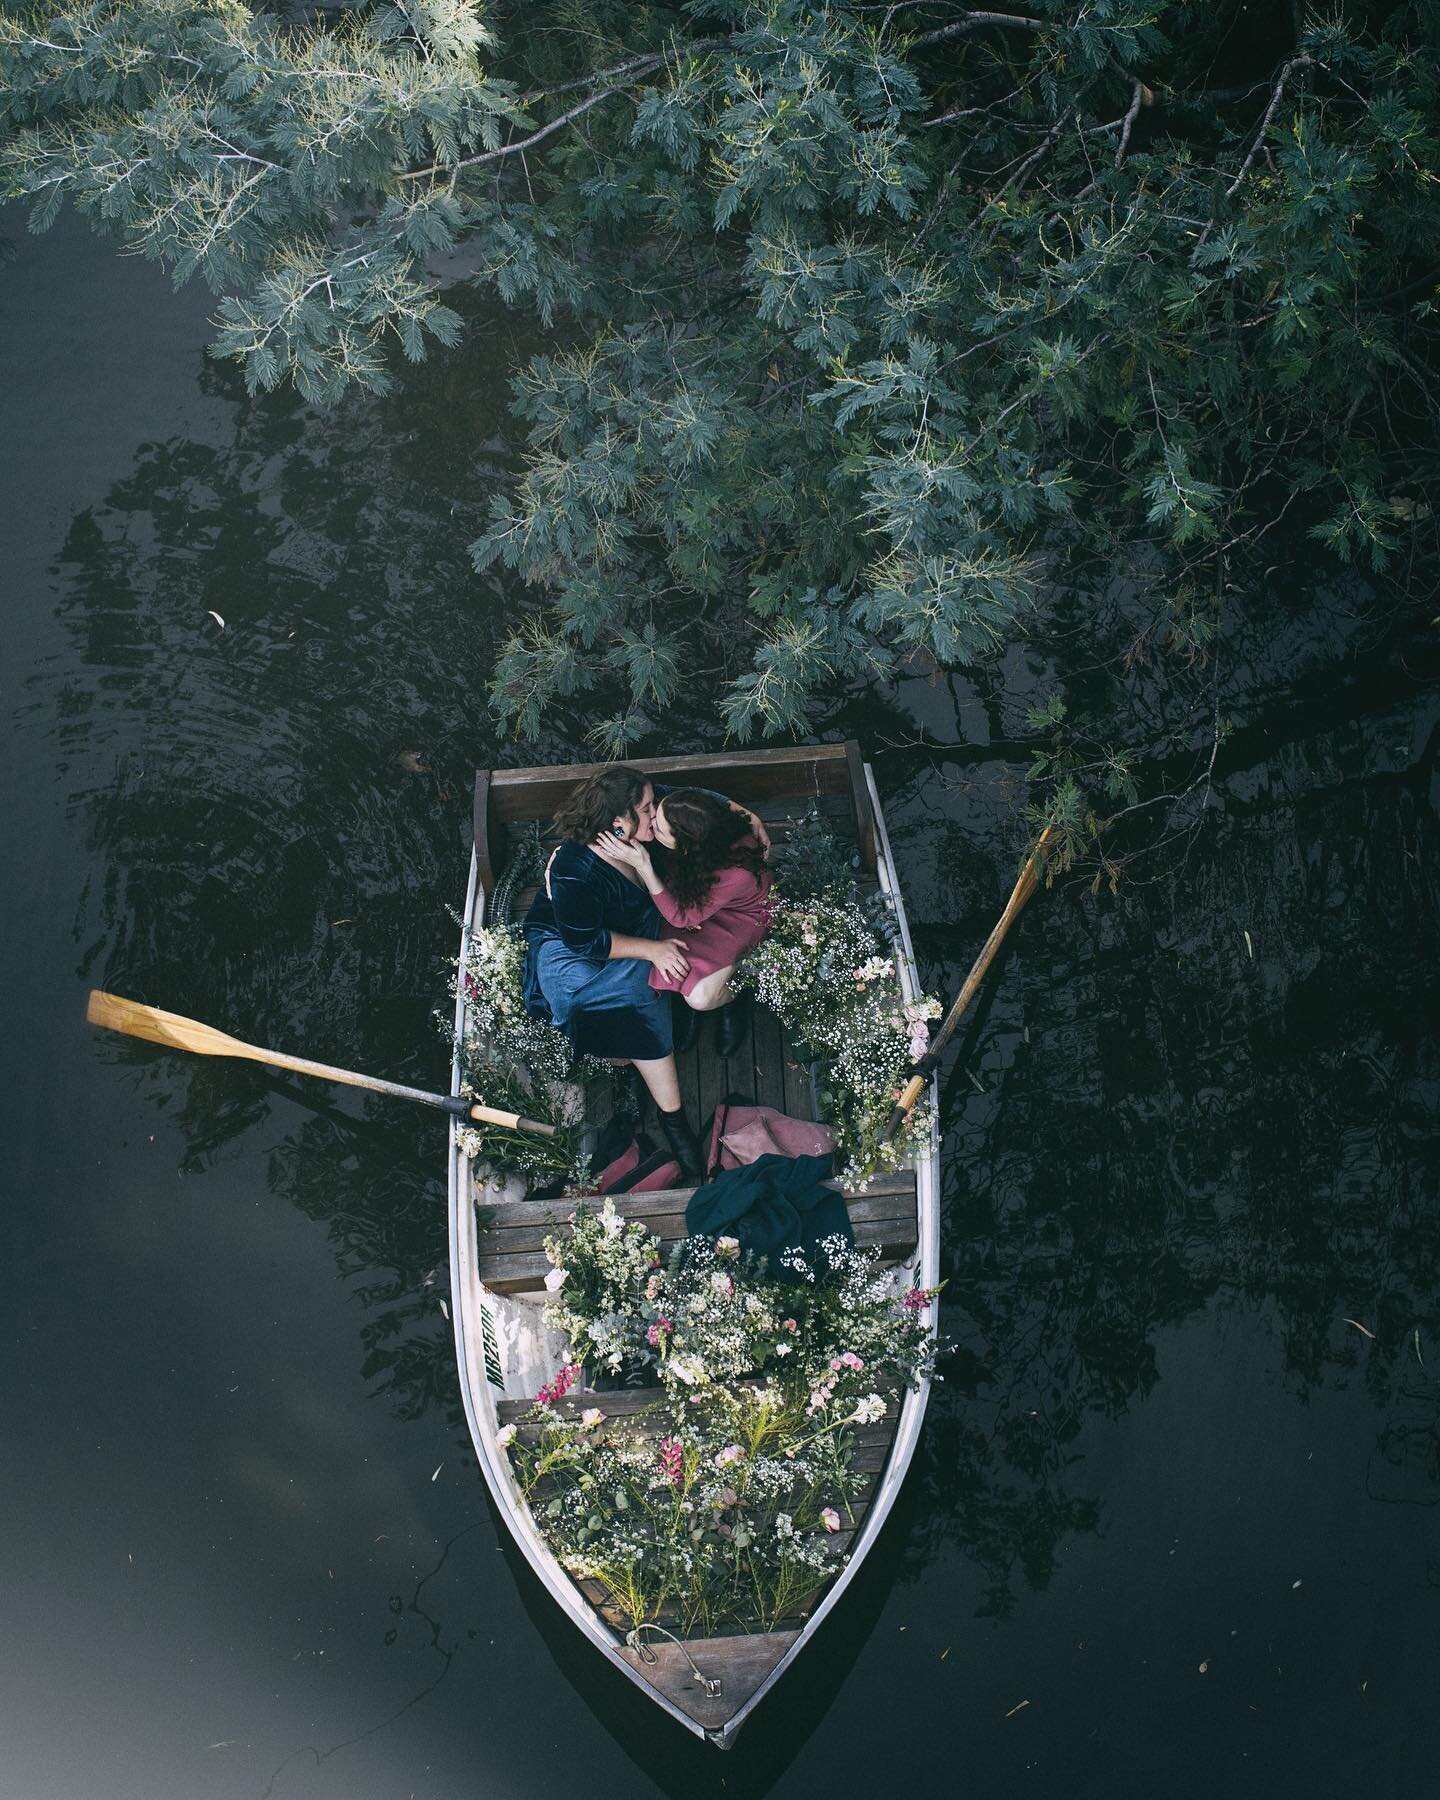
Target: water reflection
{"points": [[1218, 1088]]}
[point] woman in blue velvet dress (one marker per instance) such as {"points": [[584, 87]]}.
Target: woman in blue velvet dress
{"points": [[593, 934]]}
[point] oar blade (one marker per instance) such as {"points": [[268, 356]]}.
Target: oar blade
{"points": [[158, 1027]]}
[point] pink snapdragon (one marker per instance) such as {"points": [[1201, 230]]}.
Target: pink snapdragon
{"points": [[916, 1299], [656, 1334], [672, 1461], [560, 1386], [820, 1396]]}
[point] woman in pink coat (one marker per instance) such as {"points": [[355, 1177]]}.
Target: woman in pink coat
{"points": [[710, 883]]}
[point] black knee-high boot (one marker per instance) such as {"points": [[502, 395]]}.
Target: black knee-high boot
{"points": [[631, 1093], [683, 1142], [685, 1023], [730, 1025]]}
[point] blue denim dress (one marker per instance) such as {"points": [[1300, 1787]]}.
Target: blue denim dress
{"points": [[605, 1007]]}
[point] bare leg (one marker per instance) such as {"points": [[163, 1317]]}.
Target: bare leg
{"points": [[663, 1083], [714, 990]]}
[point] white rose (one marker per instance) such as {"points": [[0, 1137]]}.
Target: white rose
{"points": [[556, 1279], [505, 1436]]}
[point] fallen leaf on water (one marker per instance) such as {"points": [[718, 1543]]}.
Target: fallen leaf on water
{"points": [[445, 1309], [1294, 1585], [412, 762], [1418, 1357], [1359, 1327], [435, 1477], [1249, 946], [1014, 1709], [224, 1744], [944, 1653], [216, 617], [1205, 1668], [335, 922]]}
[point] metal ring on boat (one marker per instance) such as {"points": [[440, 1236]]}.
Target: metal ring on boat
{"points": [[633, 1639]]}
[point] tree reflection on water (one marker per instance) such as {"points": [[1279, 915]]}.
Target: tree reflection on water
{"points": [[1218, 1087]]}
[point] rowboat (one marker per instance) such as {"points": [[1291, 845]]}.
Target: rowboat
{"points": [[709, 1685]]}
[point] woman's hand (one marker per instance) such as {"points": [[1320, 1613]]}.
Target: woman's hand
{"points": [[621, 853], [668, 956], [757, 825]]}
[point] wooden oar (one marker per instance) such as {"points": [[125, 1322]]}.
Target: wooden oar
{"points": [[1024, 888], [178, 1033]]}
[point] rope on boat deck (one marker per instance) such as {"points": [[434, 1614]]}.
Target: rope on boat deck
{"points": [[634, 1640]]}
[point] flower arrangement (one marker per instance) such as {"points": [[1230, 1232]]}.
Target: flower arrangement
{"points": [[600, 1286], [831, 979], [721, 1506], [516, 1063]]}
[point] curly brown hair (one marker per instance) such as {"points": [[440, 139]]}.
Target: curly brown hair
{"points": [[611, 793], [709, 836]]}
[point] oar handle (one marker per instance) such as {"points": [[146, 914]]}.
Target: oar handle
{"points": [[905, 1105], [492, 1115]]}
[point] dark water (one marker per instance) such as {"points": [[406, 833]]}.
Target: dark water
{"points": [[1173, 1525]]}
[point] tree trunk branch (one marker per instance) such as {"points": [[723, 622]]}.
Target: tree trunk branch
{"points": [[1137, 100], [971, 22], [1295, 62], [517, 148]]}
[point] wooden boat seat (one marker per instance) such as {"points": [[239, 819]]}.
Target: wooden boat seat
{"points": [[776, 783], [645, 1409], [512, 1235]]}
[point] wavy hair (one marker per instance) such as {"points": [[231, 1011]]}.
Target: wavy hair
{"points": [[611, 793], [709, 837]]}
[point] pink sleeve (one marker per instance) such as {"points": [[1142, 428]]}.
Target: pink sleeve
{"points": [[730, 885]]}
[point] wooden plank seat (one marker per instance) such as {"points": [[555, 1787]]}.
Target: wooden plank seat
{"points": [[512, 1234], [644, 1410]]}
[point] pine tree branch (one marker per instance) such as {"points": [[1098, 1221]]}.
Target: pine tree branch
{"points": [[515, 149], [635, 65], [1136, 102], [1295, 62], [972, 22]]}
